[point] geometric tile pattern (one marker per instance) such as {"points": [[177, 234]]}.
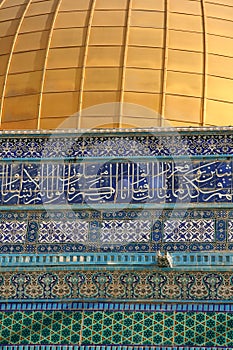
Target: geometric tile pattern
{"points": [[119, 328], [125, 230], [185, 231], [115, 285], [63, 231], [119, 231], [13, 231], [230, 230], [151, 143]]}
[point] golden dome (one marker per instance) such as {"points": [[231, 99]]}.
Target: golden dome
{"points": [[58, 57]]}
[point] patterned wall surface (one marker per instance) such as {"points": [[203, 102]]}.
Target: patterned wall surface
{"points": [[111, 230], [147, 192], [122, 143], [116, 285], [94, 326]]}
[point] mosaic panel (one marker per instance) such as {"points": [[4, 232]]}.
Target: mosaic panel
{"points": [[147, 143], [118, 231], [188, 231], [118, 328], [63, 231], [115, 285], [13, 231]]}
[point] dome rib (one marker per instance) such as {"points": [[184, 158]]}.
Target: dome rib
{"points": [[46, 61], [10, 57], [124, 61], [165, 62], [83, 75], [205, 63]]}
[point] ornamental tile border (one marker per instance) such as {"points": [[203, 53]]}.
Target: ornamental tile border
{"points": [[116, 285], [166, 328], [149, 306], [102, 347], [127, 143], [115, 231]]}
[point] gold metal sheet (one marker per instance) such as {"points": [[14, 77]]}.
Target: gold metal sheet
{"points": [[111, 5], [142, 122], [185, 6], [31, 41], [106, 36], [136, 100], [6, 44], [220, 88], [8, 27], [11, 3], [10, 13], [23, 83], [99, 122], [150, 19], [185, 40], [71, 5], [67, 37], [220, 26], [102, 78], [38, 8], [59, 104], [27, 61], [145, 57], [36, 23], [146, 37], [92, 98], [62, 79], [182, 108], [109, 18], [3, 63], [144, 80], [104, 56], [186, 61], [220, 66], [219, 113], [149, 5], [220, 45], [219, 11], [20, 125], [23, 106], [65, 57], [184, 83], [59, 123], [71, 19], [184, 22]]}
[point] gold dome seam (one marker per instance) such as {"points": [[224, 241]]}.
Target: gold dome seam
{"points": [[46, 63], [10, 58], [124, 62], [165, 63], [87, 40], [205, 63]]}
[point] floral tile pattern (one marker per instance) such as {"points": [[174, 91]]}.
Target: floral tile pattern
{"points": [[115, 285]]}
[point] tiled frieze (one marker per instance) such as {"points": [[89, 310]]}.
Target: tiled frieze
{"points": [[103, 327], [112, 230], [116, 181], [141, 143], [116, 285]]}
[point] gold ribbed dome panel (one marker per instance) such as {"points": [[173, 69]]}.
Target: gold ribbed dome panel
{"points": [[59, 57]]}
